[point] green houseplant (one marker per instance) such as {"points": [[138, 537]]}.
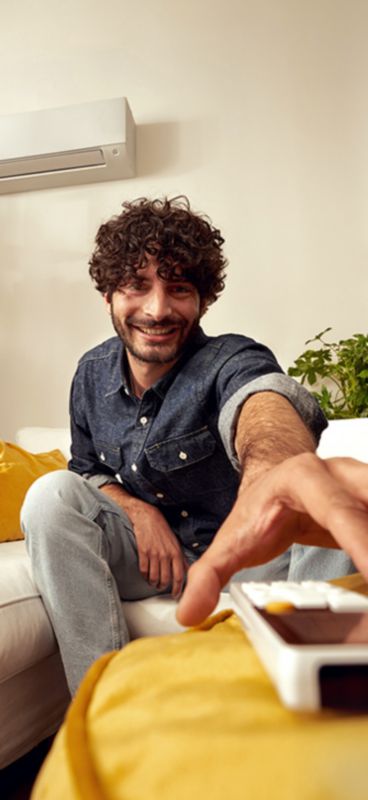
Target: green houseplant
{"points": [[339, 371]]}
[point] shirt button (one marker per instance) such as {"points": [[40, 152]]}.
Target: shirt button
{"points": [[118, 477], [183, 455], [184, 514], [102, 457], [143, 420], [134, 468], [160, 495], [126, 390], [195, 544]]}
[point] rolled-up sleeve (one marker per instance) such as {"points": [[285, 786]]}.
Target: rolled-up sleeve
{"points": [[239, 380]]}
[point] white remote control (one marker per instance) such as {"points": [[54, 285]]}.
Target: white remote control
{"points": [[312, 638]]}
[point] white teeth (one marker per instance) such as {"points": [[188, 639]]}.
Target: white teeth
{"points": [[156, 331]]}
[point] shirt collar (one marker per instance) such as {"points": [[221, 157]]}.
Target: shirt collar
{"points": [[119, 374], [162, 386]]}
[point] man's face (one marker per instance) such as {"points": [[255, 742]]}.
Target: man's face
{"points": [[154, 317]]}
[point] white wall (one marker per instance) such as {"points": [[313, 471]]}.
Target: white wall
{"points": [[257, 109]]}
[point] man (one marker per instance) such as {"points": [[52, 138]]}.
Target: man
{"points": [[172, 432]]}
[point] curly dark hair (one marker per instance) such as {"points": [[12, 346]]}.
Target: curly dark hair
{"points": [[184, 243]]}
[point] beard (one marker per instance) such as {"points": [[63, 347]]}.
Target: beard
{"points": [[152, 352]]}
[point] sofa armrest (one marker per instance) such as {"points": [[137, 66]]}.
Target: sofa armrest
{"points": [[345, 437]]}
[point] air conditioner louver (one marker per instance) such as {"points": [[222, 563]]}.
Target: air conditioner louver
{"points": [[65, 146]]}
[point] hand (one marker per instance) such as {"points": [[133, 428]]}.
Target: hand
{"points": [[303, 499], [161, 560]]}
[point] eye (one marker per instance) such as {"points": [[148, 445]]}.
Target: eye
{"points": [[181, 288], [133, 287]]}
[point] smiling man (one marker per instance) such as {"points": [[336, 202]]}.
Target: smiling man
{"points": [[155, 318], [175, 436]]}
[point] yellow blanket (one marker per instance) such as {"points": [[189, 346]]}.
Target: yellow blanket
{"points": [[194, 716]]}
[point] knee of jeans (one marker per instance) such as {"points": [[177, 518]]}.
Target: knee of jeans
{"points": [[46, 495]]}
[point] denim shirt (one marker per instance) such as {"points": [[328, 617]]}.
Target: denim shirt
{"points": [[174, 447]]}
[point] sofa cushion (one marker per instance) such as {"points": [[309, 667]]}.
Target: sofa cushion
{"points": [[18, 469]]}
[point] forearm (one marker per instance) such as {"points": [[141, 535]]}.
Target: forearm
{"points": [[161, 560], [269, 430], [133, 506]]}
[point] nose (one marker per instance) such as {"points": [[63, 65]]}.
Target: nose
{"points": [[158, 302]]}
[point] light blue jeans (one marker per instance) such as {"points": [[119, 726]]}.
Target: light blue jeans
{"points": [[84, 560]]}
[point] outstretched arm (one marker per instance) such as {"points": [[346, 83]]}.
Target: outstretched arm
{"points": [[286, 495]]}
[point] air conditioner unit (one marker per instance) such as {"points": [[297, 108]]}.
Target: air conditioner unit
{"points": [[66, 146]]}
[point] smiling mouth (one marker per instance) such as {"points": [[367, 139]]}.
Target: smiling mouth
{"points": [[156, 331]]}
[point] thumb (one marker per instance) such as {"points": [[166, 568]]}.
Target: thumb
{"points": [[205, 580]]}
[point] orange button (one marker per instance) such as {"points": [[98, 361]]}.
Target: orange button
{"points": [[279, 607]]}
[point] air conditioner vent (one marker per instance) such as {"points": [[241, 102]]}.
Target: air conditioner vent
{"points": [[51, 162], [65, 146]]}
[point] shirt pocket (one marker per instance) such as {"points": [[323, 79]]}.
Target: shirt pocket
{"points": [[108, 455], [191, 465]]}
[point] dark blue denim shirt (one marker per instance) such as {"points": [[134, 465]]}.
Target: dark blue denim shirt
{"points": [[174, 447]]}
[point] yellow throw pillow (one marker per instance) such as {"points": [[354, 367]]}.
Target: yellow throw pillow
{"points": [[18, 470]]}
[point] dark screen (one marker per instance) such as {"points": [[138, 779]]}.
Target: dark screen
{"points": [[344, 686], [319, 626]]}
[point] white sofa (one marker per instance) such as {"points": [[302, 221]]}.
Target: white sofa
{"points": [[33, 691]]}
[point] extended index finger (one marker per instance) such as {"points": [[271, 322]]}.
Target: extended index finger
{"points": [[200, 595]]}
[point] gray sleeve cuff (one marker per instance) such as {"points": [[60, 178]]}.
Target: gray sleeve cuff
{"points": [[298, 396], [100, 480]]}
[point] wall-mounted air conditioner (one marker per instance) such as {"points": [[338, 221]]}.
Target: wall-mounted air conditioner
{"points": [[65, 146]]}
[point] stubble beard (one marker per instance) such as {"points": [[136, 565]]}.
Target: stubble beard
{"points": [[155, 353]]}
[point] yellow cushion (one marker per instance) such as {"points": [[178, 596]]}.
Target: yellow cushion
{"points": [[18, 470], [194, 715]]}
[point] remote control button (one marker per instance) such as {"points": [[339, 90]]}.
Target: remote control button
{"points": [[299, 598], [304, 595], [347, 601], [279, 608], [318, 586], [249, 585], [257, 593], [308, 599], [259, 599]]}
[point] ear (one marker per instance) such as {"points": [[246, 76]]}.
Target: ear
{"points": [[107, 302]]}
